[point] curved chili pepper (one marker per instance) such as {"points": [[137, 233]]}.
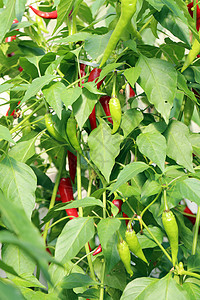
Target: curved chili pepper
{"points": [[133, 243], [104, 100], [66, 194], [194, 51], [116, 113], [44, 15], [125, 216], [97, 251], [72, 161], [171, 228], [82, 73], [94, 74], [125, 255], [131, 92], [128, 8]]}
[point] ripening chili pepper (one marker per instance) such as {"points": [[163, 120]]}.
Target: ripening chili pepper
{"points": [[125, 216], [66, 194], [44, 15], [20, 69], [125, 255], [188, 110], [116, 113], [82, 73], [188, 211], [128, 8], [12, 38], [133, 243], [72, 161], [118, 203], [131, 92], [104, 100], [51, 128], [72, 134], [171, 228], [94, 74]]}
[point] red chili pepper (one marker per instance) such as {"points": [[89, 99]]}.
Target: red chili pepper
{"points": [[44, 15], [104, 100], [72, 161], [82, 72], [12, 38], [97, 251], [94, 74], [131, 92], [188, 211], [20, 69], [125, 216], [190, 5], [66, 193], [13, 112]]}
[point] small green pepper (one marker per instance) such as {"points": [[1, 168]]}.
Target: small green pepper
{"points": [[171, 228], [125, 255], [133, 243], [51, 129], [115, 112], [72, 134], [188, 111]]}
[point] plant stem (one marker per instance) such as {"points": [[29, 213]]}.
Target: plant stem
{"points": [[104, 204], [165, 199], [190, 274], [155, 239], [55, 189], [26, 118], [152, 202], [101, 295], [79, 182], [196, 231]]}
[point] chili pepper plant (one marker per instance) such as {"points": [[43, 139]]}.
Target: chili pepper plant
{"points": [[99, 149]]}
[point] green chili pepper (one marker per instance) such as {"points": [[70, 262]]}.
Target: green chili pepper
{"points": [[72, 134], [171, 228], [125, 255], [192, 54], [128, 8], [133, 243], [188, 111], [115, 112], [51, 129]]}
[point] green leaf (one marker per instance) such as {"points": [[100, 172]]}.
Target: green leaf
{"points": [[153, 145], [18, 183], [69, 96], [28, 280], [63, 9], [137, 287], [157, 4], [106, 229], [178, 145], [8, 269], [36, 86], [7, 16], [130, 120], [193, 263], [146, 240], [18, 259], [73, 237], [192, 289], [30, 65], [95, 44], [19, 9], [195, 142], [83, 106], [190, 189], [22, 151], [107, 69], [175, 25], [5, 134], [132, 75], [9, 292], [154, 72], [104, 148], [77, 280], [150, 188], [53, 94], [79, 36], [129, 172], [182, 85], [86, 202]]}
